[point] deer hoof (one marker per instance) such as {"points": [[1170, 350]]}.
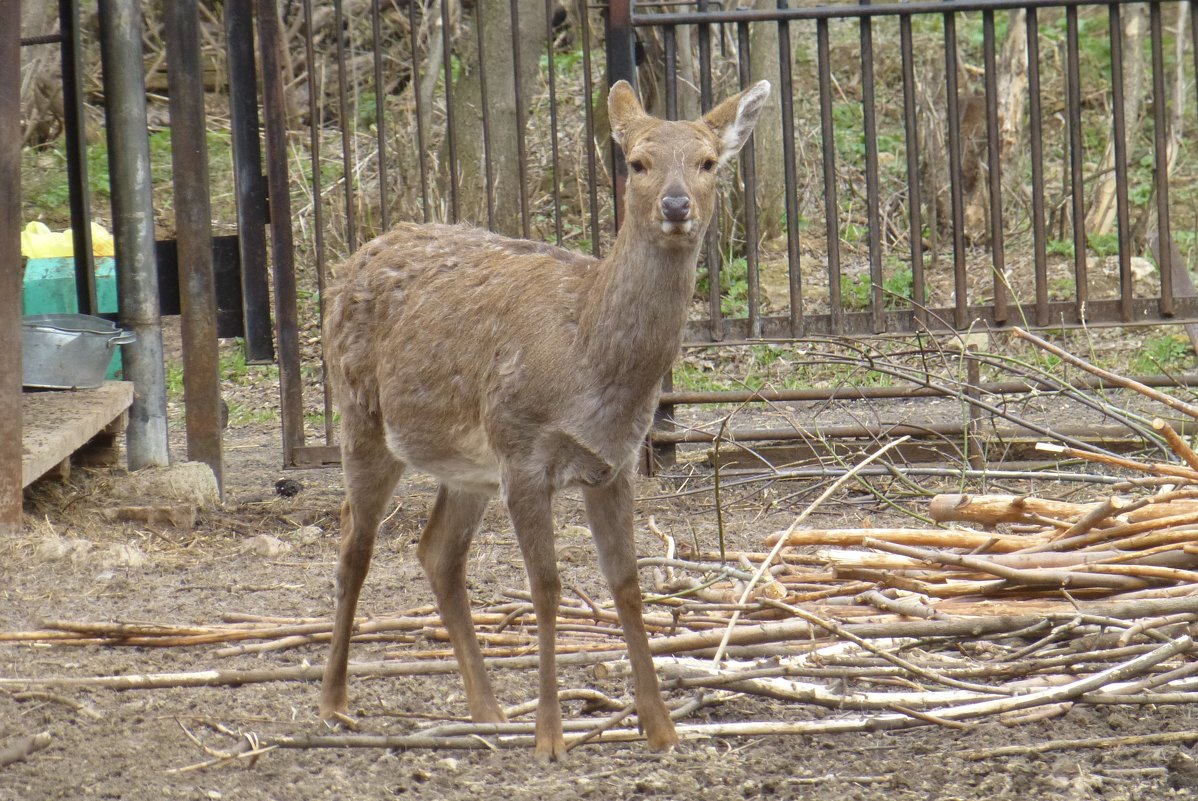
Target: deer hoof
{"points": [[663, 740], [551, 749]]}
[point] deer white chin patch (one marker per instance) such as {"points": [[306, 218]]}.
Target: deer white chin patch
{"points": [[685, 227]]}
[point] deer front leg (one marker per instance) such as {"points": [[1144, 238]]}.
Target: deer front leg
{"points": [[444, 546], [610, 511], [529, 502], [371, 473]]}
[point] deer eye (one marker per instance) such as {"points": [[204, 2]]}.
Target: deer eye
{"points": [[637, 166], [708, 165]]}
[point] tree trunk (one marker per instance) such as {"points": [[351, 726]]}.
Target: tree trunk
{"points": [[767, 139], [502, 122], [1012, 85], [1101, 217], [1178, 107], [41, 75]]}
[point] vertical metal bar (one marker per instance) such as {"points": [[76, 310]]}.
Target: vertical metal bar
{"points": [[455, 209], [11, 482], [418, 104], [621, 65], [786, 96], [828, 145], [671, 44], [588, 86], [74, 122], [993, 153], [914, 199], [1119, 136], [485, 111], [521, 116], [193, 228], [315, 98], [380, 115], [1076, 177], [1160, 152], [133, 228], [555, 160], [1036, 138], [713, 255], [960, 284], [748, 167], [270, 44], [248, 183], [872, 203], [349, 123]]}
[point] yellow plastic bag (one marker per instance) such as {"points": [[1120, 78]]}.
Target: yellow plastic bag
{"points": [[39, 242]]}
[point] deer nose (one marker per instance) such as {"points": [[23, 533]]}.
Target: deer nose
{"points": [[676, 208]]}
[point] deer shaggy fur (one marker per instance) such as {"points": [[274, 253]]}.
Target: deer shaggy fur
{"points": [[503, 365]]}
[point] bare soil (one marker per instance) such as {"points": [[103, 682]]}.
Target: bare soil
{"points": [[136, 744]]}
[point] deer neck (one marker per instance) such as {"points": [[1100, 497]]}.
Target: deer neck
{"points": [[631, 319]]}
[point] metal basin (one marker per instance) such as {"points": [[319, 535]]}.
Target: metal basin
{"points": [[68, 351]]}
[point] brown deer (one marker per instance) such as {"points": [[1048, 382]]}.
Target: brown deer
{"points": [[505, 365]]}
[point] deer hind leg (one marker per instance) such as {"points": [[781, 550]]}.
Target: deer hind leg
{"points": [[444, 547], [529, 502], [610, 511], [371, 473]]}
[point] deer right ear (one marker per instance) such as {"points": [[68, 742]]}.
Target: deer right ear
{"points": [[734, 119], [623, 111]]}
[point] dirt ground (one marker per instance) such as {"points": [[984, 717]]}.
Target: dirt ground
{"points": [[138, 744]]}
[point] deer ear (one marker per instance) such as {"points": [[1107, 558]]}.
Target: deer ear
{"points": [[734, 119], [623, 111]]}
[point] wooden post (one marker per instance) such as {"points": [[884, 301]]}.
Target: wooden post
{"points": [[10, 267]]}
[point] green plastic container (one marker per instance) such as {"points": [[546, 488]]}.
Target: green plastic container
{"points": [[49, 288]]}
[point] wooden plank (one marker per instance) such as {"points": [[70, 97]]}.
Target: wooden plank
{"points": [[56, 424]]}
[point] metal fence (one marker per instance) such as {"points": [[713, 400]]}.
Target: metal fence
{"points": [[998, 273], [929, 165]]}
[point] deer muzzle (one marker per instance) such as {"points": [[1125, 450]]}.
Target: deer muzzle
{"points": [[676, 214]]}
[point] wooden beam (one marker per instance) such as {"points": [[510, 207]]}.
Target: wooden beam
{"points": [[10, 267]]}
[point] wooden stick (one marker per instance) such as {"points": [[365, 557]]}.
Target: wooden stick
{"points": [[948, 538], [1126, 383], [1179, 445], [1034, 577], [993, 509], [1157, 738], [1097, 515], [1157, 468]]}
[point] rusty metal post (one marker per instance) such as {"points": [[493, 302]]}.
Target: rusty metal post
{"points": [[621, 65], [10, 269], [274, 110], [248, 182], [193, 227], [133, 228], [75, 141]]}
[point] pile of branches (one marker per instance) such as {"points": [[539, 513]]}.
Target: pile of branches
{"points": [[1043, 606]]}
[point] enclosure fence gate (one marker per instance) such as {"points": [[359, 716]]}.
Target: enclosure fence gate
{"points": [[927, 166]]}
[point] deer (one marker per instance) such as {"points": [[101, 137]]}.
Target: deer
{"points": [[509, 366]]}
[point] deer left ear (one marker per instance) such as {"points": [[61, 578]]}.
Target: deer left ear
{"points": [[624, 110], [734, 119]]}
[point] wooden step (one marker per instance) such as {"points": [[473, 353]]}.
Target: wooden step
{"points": [[57, 424]]}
